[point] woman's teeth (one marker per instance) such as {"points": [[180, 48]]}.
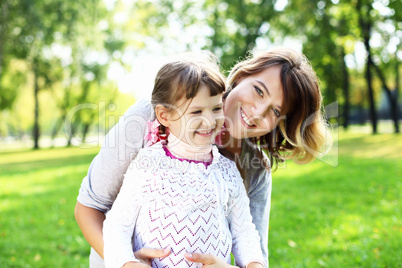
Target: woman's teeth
{"points": [[206, 131], [245, 118]]}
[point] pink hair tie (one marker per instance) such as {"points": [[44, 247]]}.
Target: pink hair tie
{"points": [[218, 138], [153, 135]]}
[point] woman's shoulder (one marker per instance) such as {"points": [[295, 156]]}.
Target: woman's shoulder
{"points": [[141, 108], [252, 159]]}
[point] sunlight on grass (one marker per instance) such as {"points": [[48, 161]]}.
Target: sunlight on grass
{"points": [[8, 156], [370, 146]]}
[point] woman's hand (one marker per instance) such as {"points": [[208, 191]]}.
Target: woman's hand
{"points": [[209, 261], [145, 255]]}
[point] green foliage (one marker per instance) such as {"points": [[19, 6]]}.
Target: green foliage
{"points": [[236, 26], [69, 46]]}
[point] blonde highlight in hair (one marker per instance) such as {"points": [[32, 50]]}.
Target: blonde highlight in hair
{"points": [[303, 131]]}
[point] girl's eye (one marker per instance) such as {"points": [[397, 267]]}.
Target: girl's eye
{"points": [[276, 112], [196, 112], [259, 91], [217, 109]]}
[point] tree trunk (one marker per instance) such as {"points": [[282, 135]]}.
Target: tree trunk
{"points": [[72, 134], [373, 113], [392, 98], [346, 105], [85, 130], [36, 130], [396, 95], [56, 128], [365, 25]]}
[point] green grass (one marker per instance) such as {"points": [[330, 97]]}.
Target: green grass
{"points": [[38, 191], [343, 216]]}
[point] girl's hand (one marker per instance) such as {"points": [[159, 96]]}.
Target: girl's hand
{"points": [[145, 255], [255, 265], [135, 265], [209, 261]]}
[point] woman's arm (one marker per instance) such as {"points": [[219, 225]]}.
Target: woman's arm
{"points": [[259, 189], [105, 175], [246, 241], [259, 193], [90, 221]]}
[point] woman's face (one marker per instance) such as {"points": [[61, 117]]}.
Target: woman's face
{"points": [[252, 108]]}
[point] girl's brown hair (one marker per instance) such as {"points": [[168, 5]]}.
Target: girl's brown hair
{"points": [[183, 76], [302, 131]]}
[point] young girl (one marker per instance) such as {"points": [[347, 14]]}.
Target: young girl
{"points": [[182, 193]]}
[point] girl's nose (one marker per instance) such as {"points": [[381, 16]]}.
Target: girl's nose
{"points": [[209, 120]]}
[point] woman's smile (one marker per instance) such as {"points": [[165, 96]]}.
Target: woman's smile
{"points": [[246, 119]]}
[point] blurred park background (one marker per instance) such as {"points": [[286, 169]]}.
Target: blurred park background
{"points": [[70, 69]]}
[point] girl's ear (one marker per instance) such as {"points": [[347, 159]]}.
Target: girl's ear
{"points": [[162, 114]]}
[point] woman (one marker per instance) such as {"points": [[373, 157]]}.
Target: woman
{"points": [[272, 107]]}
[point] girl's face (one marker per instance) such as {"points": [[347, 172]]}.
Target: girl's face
{"points": [[252, 108], [201, 122]]}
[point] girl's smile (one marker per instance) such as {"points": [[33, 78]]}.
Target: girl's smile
{"points": [[197, 121]]}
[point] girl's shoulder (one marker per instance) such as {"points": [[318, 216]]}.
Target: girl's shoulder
{"points": [[155, 150]]}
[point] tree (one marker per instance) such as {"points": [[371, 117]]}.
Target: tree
{"points": [[8, 92], [40, 24], [373, 21], [236, 27]]}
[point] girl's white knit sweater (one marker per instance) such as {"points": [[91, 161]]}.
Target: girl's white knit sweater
{"points": [[165, 202]]}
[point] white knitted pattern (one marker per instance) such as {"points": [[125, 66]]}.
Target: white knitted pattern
{"points": [[184, 206]]}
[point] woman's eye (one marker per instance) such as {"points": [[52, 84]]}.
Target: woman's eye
{"points": [[276, 112], [259, 91]]}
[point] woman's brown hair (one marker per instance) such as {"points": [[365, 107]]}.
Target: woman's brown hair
{"points": [[302, 132]]}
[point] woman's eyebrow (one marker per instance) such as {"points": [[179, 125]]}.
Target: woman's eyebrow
{"points": [[266, 89], [263, 85]]}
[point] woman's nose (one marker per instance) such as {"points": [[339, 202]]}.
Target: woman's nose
{"points": [[260, 110]]}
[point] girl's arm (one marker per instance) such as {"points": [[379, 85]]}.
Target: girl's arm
{"points": [[90, 221], [118, 227]]}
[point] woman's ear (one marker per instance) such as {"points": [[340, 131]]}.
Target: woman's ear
{"points": [[162, 114]]}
